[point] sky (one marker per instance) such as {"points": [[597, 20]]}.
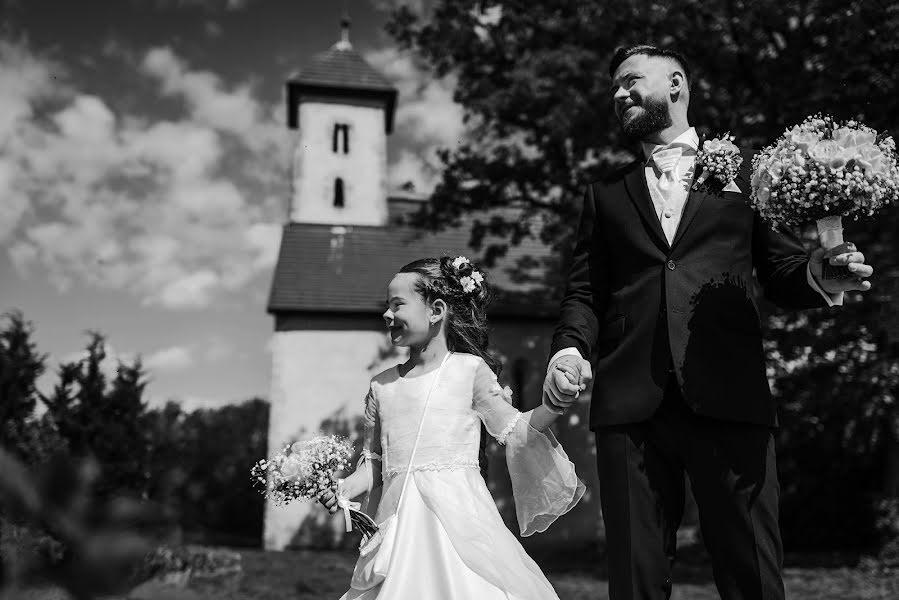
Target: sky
{"points": [[144, 173]]}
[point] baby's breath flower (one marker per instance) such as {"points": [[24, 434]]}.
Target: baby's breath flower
{"points": [[302, 470]]}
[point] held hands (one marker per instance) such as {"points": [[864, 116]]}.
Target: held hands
{"points": [[566, 378], [855, 261]]}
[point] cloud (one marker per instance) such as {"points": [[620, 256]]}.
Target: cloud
{"points": [[23, 79], [177, 212], [418, 7], [413, 169], [426, 117], [174, 358], [233, 111]]}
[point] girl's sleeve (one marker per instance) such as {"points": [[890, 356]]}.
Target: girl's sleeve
{"points": [[544, 483], [370, 458]]}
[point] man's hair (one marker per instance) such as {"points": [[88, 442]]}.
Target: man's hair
{"points": [[625, 52]]}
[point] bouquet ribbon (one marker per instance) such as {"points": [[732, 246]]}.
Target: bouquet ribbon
{"points": [[344, 503]]}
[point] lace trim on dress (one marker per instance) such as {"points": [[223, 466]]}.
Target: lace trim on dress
{"points": [[434, 466], [501, 438]]}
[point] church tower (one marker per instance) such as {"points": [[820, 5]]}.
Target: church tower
{"points": [[343, 111]]}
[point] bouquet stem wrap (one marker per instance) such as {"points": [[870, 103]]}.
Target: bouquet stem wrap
{"points": [[830, 235], [344, 503]]}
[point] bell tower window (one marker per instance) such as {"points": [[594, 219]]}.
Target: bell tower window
{"points": [[341, 138], [338, 193]]}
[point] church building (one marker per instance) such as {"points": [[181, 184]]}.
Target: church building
{"points": [[343, 242]]}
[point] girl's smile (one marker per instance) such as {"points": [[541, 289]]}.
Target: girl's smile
{"points": [[407, 316]]}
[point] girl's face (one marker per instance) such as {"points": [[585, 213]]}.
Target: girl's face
{"points": [[408, 318]]}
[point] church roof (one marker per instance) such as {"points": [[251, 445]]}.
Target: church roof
{"points": [[342, 67], [345, 269]]}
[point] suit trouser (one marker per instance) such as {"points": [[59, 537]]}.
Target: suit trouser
{"points": [[733, 476]]}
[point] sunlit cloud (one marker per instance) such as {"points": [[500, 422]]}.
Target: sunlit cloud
{"points": [[173, 358], [121, 201], [427, 118]]}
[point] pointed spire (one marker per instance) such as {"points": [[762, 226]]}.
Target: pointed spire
{"points": [[344, 43]]}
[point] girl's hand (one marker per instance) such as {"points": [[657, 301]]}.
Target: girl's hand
{"points": [[329, 499]]}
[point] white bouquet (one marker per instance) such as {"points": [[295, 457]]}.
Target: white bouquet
{"points": [[306, 470], [824, 171]]}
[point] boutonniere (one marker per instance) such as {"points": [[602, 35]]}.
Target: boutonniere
{"points": [[718, 162]]}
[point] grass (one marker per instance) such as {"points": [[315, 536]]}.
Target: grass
{"points": [[314, 575], [321, 575]]}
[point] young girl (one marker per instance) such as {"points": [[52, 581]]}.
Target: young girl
{"points": [[450, 541]]}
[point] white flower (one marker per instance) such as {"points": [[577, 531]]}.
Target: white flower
{"points": [[459, 261], [290, 468], [478, 278], [824, 150], [468, 284], [803, 139]]}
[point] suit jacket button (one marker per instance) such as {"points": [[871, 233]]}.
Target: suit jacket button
{"points": [[671, 265]]}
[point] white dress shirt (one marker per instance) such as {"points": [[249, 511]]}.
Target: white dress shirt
{"points": [[669, 210]]}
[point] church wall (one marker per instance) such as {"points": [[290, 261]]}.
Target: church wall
{"points": [[321, 366], [363, 170], [320, 375]]}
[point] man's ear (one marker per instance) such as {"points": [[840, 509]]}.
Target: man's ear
{"points": [[677, 84], [439, 310]]}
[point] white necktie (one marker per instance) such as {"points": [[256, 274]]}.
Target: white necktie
{"points": [[667, 161]]}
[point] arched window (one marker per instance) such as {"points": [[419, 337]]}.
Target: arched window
{"points": [[338, 193], [341, 134]]}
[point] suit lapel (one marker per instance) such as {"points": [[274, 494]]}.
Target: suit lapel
{"points": [[694, 201], [635, 183]]}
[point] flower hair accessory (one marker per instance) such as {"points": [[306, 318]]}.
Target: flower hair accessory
{"points": [[718, 162], [469, 278]]}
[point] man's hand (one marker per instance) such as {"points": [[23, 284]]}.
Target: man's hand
{"points": [[854, 260], [566, 378]]}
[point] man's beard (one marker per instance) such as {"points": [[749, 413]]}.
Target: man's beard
{"points": [[653, 118]]}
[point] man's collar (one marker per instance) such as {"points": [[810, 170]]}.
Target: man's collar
{"points": [[688, 139]]}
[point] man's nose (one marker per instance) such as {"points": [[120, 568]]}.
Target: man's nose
{"points": [[388, 316], [620, 95]]}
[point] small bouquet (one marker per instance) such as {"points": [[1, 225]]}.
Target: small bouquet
{"points": [[306, 470], [718, 162], [824, 171]]}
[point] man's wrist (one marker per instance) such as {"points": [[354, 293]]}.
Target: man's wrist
{"points": [[570, 351]]}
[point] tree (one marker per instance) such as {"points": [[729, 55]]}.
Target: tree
{"points": [[104, 419], [533, 80], [201, 466], [20, 367]]}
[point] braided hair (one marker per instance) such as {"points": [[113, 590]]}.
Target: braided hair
{"points": [[467, 295]]}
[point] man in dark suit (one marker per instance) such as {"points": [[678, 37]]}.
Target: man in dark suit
{"points": [[660, 295]]}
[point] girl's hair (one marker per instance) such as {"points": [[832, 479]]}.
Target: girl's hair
{"points": [[467, 295]]}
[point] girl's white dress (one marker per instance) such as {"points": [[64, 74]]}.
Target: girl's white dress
{"points": [[451, 542]]}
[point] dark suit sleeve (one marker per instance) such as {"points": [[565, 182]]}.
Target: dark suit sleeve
{"points": [[780, 263], [587, 282]]}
